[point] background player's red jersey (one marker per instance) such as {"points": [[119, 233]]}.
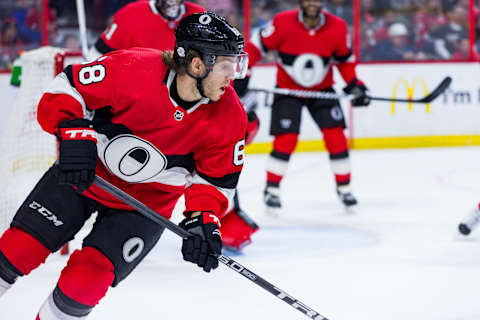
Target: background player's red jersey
{"points": [[305, 55], [127, 94], [140, 24]]}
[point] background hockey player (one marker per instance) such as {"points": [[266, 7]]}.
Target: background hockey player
{"points": [[162, 124], [309, 42], [151, 24], [147, 24]]}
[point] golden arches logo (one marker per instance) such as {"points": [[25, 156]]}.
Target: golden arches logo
{"points": [[410, 89]]}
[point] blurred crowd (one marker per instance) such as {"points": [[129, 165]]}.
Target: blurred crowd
{"points": [[415, 30], [390, 30]]}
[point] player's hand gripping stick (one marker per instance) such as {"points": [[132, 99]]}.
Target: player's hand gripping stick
{"points": [[229, 262]]}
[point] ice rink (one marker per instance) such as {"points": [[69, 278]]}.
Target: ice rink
{"points": [[396, 256]]}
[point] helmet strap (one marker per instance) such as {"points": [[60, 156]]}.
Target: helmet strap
{"points": [[199, 80]]}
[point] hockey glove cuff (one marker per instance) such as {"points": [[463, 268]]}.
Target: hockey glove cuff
{"points": [[253, 125], [206, 241], [359, 92], [77, 153], [241, 86]]}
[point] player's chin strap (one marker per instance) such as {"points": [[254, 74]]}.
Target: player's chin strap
{"points": [[199, 80]]}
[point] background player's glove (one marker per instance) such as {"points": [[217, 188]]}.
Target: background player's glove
{"points": [[252, 126], [78, 153], [206, 240], [359, 92], [241, 86], [249, 101]]}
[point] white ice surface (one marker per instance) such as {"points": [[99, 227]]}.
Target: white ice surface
{"points": [[396, 256]]}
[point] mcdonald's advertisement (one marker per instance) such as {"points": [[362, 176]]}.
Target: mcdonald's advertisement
{"points": [[453, 118], [454, 112]]}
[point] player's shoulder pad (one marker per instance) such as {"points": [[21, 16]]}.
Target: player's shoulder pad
{"points": [[285, 19], [133, 9], [136, 60], [191, 7], [334, 20]]}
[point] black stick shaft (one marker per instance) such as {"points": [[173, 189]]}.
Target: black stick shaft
{"points": [[229, 262], [333, 96]]}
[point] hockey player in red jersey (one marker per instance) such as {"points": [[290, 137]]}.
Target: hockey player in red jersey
{"points": [[309, 42], [157, 125], [147, 24], [151, 25]]}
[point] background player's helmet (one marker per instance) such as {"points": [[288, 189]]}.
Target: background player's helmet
{"points": [[171, 9], [210, 35]]}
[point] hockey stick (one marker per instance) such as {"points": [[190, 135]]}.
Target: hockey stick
{"points": [[82, 27], [333, 96], [229, 262]]}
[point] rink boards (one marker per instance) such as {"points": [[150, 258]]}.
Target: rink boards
{"points": [[451, 120]]}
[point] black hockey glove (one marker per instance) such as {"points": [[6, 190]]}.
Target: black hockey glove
{"points": [[241, 86], [359, 92], [253, 125], [78, 153], [205, 242]]}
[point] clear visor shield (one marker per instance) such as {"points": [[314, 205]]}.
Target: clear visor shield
{"points": [[232, 66]]}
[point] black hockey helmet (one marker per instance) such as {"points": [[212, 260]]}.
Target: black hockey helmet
{"points": [[208, 34]]}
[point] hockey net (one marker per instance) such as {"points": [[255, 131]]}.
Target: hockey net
{"points": [[27, 150]]}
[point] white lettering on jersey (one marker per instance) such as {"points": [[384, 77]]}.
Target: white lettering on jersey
{"points": [[239, 153], [91, 74], [110, 31], [46, 213], [268, 30]]}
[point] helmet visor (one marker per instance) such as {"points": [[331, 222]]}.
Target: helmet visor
{"points": [[232, 66]]}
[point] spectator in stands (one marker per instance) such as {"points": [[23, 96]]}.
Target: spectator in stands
{"points": [[34, 20], [448, 5], [383, 22], [398, 5], [259, 17], [368, 26], [463, 50], [477, 32], [71, 42], [342, 9], [222, 8], [447, 37], [10, 44], [115, 5], [428, 19], [32, 38], [397, 46]]}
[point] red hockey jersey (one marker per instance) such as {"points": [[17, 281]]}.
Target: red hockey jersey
{"points": [[139, 24], [148, 145], [305, 56]]}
